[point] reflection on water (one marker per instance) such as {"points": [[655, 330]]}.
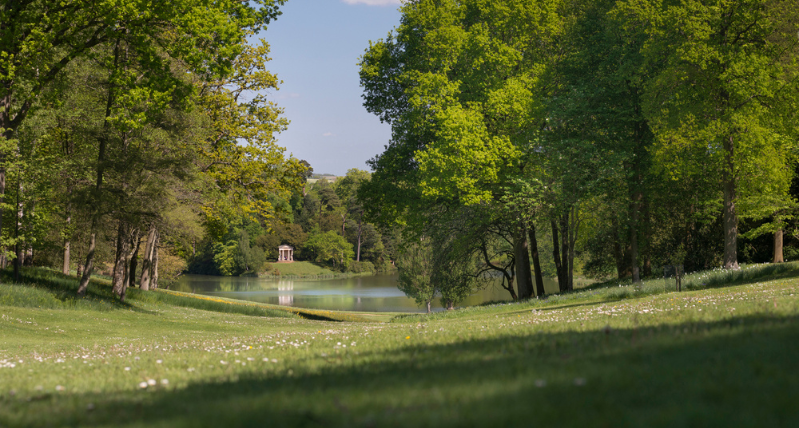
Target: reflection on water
{"points": [[363, 293], [286, 299]]}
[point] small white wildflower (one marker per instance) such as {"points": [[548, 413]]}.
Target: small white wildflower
{"points": [[127, 369], [164, 381], [158, 361], [59, 388], [151, 382], [142, 385]]}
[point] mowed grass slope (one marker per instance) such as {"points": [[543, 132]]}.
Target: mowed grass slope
{"points": [[622, 356], [298, 268]]}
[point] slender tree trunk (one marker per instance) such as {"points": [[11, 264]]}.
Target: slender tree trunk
{"points": [[634, 237], [778, 247], [617, 254], [79, 265], [120, 265], [730, 211], [67, 244], [89, 267], [450, 305], [132, 237], [509, 279], [564, 247], [556, 255], [539, 278], [134, 261], [524, 281], [428, 307], [574, 228], [17, 227], [358, 256], [147, 260], [646, 228], [154, 268], [6, 129]]}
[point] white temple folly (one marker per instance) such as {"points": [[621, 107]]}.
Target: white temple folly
{"points": [[285, 254]]}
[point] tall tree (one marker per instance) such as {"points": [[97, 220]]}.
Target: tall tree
{"points": [[39, 39], [728, 84], [459, 82]]}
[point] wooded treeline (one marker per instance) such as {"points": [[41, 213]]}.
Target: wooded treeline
{"points": [[323, 221], [132, 130], [627, 134]]}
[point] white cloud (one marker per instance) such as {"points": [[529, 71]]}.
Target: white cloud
{"points": [[374, 2], [328, 134]]}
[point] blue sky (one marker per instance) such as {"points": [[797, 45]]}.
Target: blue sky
{"points": [[315, 46]]}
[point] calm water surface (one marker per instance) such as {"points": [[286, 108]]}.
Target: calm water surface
{"points": [[377, 293]]}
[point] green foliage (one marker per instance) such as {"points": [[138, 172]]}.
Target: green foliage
{"points": [[330, 247], [415, 269], [361, 267]]}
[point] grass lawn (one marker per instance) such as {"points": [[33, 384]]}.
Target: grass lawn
{"points": [[722, 354], [298, 269]]}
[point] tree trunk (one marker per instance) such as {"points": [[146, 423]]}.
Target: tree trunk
{"points": [[103, 140], [524, 281], [154, 268], [65, 268], [564, 248], [450, 305], [778, 247], [730, 211], [428, 307], [556, 255], [89, 266], [5, 128], [646, 229], [120, 260], [634, 238], [509, 279], [617, 255], [130, 279], [147, 260], [539, 278], [358, 256], [17, 226], [28, 253], [79, 265], [574, 228]]}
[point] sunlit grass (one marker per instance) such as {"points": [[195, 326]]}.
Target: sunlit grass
{"points": [[722, 355], [620, 290]]}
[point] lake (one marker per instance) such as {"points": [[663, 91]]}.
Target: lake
{"points": [[376, 293]]}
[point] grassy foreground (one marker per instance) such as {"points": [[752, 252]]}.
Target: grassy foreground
{"points": [[722, 354]]}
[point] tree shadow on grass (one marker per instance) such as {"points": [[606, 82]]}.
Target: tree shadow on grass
{"points": [[736, 372], [65, 287], [716, 278]]}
